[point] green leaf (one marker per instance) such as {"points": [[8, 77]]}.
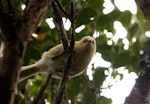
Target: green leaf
{"points": [[122, 59], [125, 18], [106, 56], [73, 87], [133, 65], [22, 86], [104, 48], [95, 4], [31, 54], [115, 73], [133, 29], [43, 27], [88, 97], [65, 2], [106, 100], [19, 100], [106, 21], [35, 87], [136, 46], [88, 13], [99, 76]]}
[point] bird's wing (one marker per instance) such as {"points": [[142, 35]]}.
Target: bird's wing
{"points": [[59, 53], [54, 52]]}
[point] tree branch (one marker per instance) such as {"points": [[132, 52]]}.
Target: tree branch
{"points": [[80, 11], [59, 25], [62, 9], [72, 19], [69, 49], [90, 87], [37, 98], [33, 13], [141, 90]]}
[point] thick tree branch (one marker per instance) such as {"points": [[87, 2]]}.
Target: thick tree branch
{"points": [[140, 93], [141, 90], [33, 13], [12, 56]]}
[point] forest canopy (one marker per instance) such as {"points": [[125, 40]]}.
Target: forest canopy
{"points": [[121, 38]]}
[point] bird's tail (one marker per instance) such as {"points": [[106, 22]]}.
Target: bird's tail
{"points": [[27, 71]]}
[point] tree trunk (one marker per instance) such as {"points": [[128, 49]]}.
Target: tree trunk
{"points": [[17, 29], [140, 93]]}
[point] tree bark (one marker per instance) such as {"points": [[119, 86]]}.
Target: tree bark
{"points": [[141, 91], [16, 28], [145, 6]]}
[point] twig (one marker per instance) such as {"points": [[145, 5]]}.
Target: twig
{"points": [[88, 85], [52, 89], [79, 12], [109, 86], [72, 25], [59, 25], [113, 3], [58, 98], [85, 82], [69, 15], [64, 80], [62, 9], [37, 98]]}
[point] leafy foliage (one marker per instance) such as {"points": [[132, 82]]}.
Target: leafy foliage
{"points": [[94, 20]]}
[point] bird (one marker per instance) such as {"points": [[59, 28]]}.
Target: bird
{"points": [[53, 60]]}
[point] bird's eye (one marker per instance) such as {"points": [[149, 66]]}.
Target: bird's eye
{"points": [[84, 41], [92, 42]]}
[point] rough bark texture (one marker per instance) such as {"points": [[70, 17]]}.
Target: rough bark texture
{"points": [[141, 90], [16, 28], [140, 93], [145, 6]]}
